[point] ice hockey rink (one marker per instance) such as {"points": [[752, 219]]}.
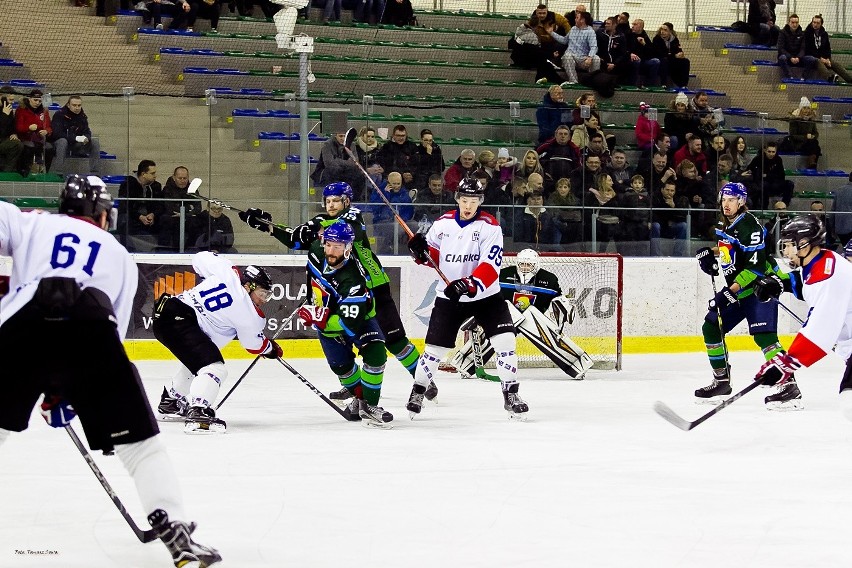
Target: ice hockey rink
{"points": [[594, 478]]}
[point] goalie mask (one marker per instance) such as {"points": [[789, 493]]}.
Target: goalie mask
{"points": [[527, 261]]}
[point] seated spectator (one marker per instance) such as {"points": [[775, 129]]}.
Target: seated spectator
{"points": [[603, 201], [246, 7], [369, 11], [773, 227], [187, 11], [214, 231], [529, 165], [33, 128], [559, 156], [636, 213], [818, 46], [505, 166], [657, 172], [619, 170], [10, 145], [680, 120], [646, 64], [525, 48], [544, 21], [399, 13], [463, 167], [612, 49], [662, 144], [674, 66], [690, 184], [692, 151], [520, 188], [169, 236], [768, 177], [761, 22], [488, 164], [573, 15], [716, 178], [535, 183], [400, 155], [552, 112], [334, 165], [708, 120], [582, 48], [153, 10], [646, 130], [567, 212], [139, 218], [535, 225], [842, 207], [668, 222], [738, 149], [586, 99], [791, 50], [804, 135], [427, 161], [585, 178], [367, 149], [73, 137], [432, 203], [385, 226], [718, 147]]}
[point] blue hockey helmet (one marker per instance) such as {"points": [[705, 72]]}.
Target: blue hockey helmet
{"points": [[736, 190], [337, 189], [339, 232]]}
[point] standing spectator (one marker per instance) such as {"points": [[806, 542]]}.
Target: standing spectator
{"points": [[693, 151], [612, 49], [214, 231], [559, 156], [791, 50], [680, 120], [843, 212], [399, 13], [10, 145], [619, 170], [646, 130], [567, 213], [529, 165], [761, 22], [668, 222], [552, 112], [399, 155], [818, 46], [331, 12], [428, 160], [384, 223], [463, 167], [674, 66], [139, 221], [740, 160], [642, 54], [335, 165], [636, 213], [602, 200], [535, 225], [367, 150], [32, 125], [73, 137], [175, 188], [582, 50], [804, 135], [769, 178]]}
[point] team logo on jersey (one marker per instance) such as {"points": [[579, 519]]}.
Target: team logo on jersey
{"points": [[475, 236], [523, 300], [461, 257], [174, 283], [727, 257]]}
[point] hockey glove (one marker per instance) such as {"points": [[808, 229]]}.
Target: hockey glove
{"points": [[459, 288], [306, 233], [768, 288], [707, 261], [56, 411], [722, 299], [257, 219], [314, 315], [419, 248], [777, 370], [274, 351]]}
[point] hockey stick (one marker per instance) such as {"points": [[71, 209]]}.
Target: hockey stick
{"points": [[669, 415], [256, 359], [721, 327], [789, 311], [316, 391], [350, 135], [192, 189], [475, 338], [143, 536]]}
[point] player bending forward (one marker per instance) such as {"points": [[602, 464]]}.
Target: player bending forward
{"points": [[344, 316], [73, 282], [827, 289], [196, 323], [466, 245], [337, 198]]}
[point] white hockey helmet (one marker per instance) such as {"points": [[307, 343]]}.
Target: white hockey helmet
{"points": [[528, 262]]}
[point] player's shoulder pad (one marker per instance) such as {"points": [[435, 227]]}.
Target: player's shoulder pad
{"points": [[448, 215], [489, 218], [823, 268]]}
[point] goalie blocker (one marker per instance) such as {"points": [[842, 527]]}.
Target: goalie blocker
{"points": [[542, 332]]}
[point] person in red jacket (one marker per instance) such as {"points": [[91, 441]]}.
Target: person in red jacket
{"points": [[646, 129], [32, 125], [692, 150]]}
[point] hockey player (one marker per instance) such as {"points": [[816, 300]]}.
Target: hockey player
{"points": [[337, 199], [527, 284], [824, 280], [743, 259], [466, 245], [343, 314], [196, 323], [72, 281]]}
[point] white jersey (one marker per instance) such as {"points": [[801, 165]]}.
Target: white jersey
{"points": [[223, 307], [463, 249], [828, 291], [46, 245]]}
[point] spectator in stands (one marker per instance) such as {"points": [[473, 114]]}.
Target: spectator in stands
{"points": [[526, 52], [488, 166], [843, 212], [597, 148], [690, 184], [818, 210], [680, 120], [791, 50], [573, 15], [367, 150], [761, 22], [529, 165], [718, 147], [559, 156], [187, 11], [427, 161], [646, 130], [567, 212], [505, 166], [32, 125], [535, 225], [669, 219], [551, 112], [716, 178], [385, 226], [636, 213], [619, 170], [674, 66], [818, 46], [582, 48], [139, 220], [773, 227], [175, 188], [214, 231], [708, 120], [738, 149], [662, 143], [334, 165], [804, 135], [431, 203], [331, 11], [73, 137], [154, 10], [645, 61], [585, 178], [612, 49], [246, 7], [369, 11], [582, 133], [399, 155], [622, 24], [693, 151], [10, 145], [463, 167], [543, 21], [521, 188], [399, 13], [658, 172], [602, 200], [769, 178], [586, 99]]}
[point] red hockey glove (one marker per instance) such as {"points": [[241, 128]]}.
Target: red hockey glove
{"points": [[777, 370], [459, 288], [56, 411], [314, 315], [274, 351]]}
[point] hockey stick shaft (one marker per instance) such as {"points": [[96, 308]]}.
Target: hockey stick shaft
{"points": [[669, 415], [789, 311], [257, 358], [315, 390], [721, 325], [193, 190], [143, 536]]}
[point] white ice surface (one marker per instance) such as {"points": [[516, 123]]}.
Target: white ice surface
{"points": [[594, 479]]}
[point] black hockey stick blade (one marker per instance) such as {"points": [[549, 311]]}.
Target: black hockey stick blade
{"points": [[315, 390], [350, 137], [143, 536], [670, 416]]}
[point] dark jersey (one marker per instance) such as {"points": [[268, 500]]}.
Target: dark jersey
{"points": [[343, 290], [540, 290], [743, 256]]}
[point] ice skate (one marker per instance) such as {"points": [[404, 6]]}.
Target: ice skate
{"points": [[513, 403], [342, 394], [431, 392], [352, 410], [374, 416], [714, 393], [202, 420], [415, 400], [171, 409], [186, 553], [788, 397]]}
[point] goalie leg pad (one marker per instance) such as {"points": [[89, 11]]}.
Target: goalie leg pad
{"points": [[544, 334], [465, 359]]}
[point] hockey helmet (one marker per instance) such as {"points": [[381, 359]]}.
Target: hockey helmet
{"points": [[339, 232], [807, 228], [337, 189], [735, 190], [527, 261], [84, 197], [470, 186], [256, 277], [847, 250]]}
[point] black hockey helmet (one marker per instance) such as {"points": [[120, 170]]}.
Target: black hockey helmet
{"points": [[84, 197], [808, 228], [256, 277], [470, 186]]}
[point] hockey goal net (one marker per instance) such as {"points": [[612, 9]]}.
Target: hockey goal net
{"points": [[592, 284]]}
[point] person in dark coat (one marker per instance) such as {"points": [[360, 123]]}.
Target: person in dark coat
{"points": [[674, 66], [399, 13], [72, 136]]}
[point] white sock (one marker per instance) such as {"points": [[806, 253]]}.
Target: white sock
{"points": [[153, 473], [507, 358], [181, 383], [428, 363], [205, 385]]}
